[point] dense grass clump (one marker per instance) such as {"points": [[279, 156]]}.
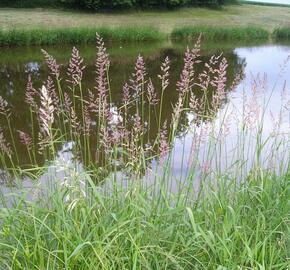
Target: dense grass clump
{"points": [[21, 37], [220, 33], [227, 228], [27, 37], [282, 33]]}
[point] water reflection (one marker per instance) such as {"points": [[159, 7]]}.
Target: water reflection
{"points": [[266, 92], [16, 64], [13, 77]]}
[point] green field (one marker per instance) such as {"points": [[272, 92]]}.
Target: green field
{"points": [[165, 21], [24, 27]]}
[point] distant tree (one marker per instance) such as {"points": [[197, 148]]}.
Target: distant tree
{"points": [[112, 4]]}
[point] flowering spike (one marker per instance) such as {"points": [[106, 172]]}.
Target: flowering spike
{"points": [[30, 94], [46, 111], [4, 145], [151, 94], [75, 68], [165, 66], [25, 139], [52, 64]]}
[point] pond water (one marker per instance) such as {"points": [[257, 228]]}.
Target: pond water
{"points": [[254, 62], [277, 2]]}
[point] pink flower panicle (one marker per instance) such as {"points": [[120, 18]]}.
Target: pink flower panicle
{"points": [[4, 145], [52, 92], [52, 64], [74, 122], [106, 112], [30, 94], [219, 81], [151, 94], [137, 125], [252, 109], [185, 82], [126, 94], [205, 130], [118, 134], [177, 110], [196, 49], [140, 70], [42, 142], [75, 68], [163, 143], [102, 66], [87, 121], [67, 102], [225, 127], [194, 104], [205, 77], [164, 77], [238, 77], [25, 139], [46, 111], [92, 103], [183, 85], [4, 109], [138, 77], [105, 139], [205, 168]]}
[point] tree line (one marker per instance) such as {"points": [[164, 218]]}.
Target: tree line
{"points": [[98, 5]]}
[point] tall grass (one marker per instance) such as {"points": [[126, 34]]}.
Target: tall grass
{"points": [[113, 200], [282, 33], [226, 228], [220, 33], [25, 37]]}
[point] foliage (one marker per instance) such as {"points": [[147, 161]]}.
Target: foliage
{"points": [[246, 227], [112, 4], [282, 33], [31, 3], [220, 33], [20, 37], [25, 37]]}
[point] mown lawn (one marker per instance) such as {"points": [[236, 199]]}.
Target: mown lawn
{"points": [[236, 15]]}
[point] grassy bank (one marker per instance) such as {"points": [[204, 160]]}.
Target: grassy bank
{"points": [[165, 21], [221, 33], [25, 37], [20, 37], [30, 26], [282, 33], [227, 228]]}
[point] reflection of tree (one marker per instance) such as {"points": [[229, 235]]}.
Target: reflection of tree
{"points": [[14, 78]]}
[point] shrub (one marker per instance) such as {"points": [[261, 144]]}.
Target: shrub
{"points": [[31, 3]]}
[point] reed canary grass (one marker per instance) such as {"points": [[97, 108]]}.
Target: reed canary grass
{"points": [[112, 195]]}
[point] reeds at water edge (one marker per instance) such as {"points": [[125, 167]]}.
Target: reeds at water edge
{"points": [[120, 202]]}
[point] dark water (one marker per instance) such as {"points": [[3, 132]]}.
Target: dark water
{"points": [[247, 61]]}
